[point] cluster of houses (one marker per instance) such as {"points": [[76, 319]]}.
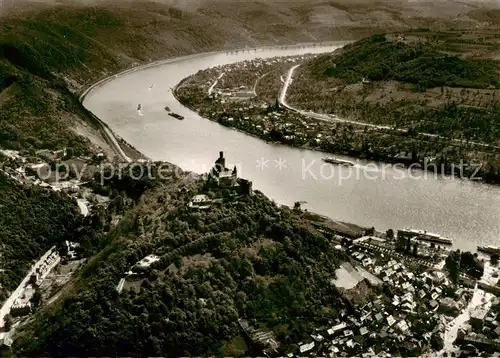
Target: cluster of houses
{"points": [[406, 315], [39, 168], [483, 331], [234, 103], [241, 79], [22, 296], [372, 330], [427, 289], [265, 121]]}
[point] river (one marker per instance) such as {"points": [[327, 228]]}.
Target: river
{"points": [[368, 194]]}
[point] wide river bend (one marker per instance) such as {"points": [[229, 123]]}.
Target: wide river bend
{"points": [[369, 194]]}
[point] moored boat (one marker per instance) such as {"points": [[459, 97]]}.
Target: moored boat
{"points": [[489, 249], [424, 236]]}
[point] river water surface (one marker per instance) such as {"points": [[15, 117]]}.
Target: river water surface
{"points": [[366, 194]]}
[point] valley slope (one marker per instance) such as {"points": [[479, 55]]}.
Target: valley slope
{"points": [[250, 258]]}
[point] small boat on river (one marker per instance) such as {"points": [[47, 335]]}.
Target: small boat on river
{"points": [[175, 115], [333, 160]]}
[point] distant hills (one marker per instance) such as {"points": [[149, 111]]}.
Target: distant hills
{"points": [[439, 90], [51, 52], [48, 50], [420, 63]]}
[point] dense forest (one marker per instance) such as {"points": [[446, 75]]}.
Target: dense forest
{"points": [[31, 221], [438, 89], [421, 64], [31, 116], [244, 258], [455, 95]]}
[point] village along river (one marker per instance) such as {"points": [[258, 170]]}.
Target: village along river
{"points": [[367, 194]]}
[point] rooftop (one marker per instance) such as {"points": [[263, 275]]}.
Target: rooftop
{"points": [[148, 260], [479, 312]]}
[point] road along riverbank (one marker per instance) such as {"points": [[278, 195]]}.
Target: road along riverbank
{"points": [[385, 199]]}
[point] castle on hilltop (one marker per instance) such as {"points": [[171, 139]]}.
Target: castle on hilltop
{"points": [[224, 177]]}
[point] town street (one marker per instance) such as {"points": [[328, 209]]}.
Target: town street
{"points": [[19, 290]]}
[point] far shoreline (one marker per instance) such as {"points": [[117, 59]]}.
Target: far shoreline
{"points": [[109, 78], [130, 150]]}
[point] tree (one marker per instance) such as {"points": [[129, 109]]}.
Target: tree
{"points": [[400, 244], [7, 322], [494, 259], [452, 264], [70, 153], [37, 298], [32, 279], [63, 250], [370, 231], [471, 265], [390, 234], [415, 248], [437, 342]]}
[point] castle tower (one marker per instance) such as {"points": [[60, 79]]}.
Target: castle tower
{"points": [[220, 163]]}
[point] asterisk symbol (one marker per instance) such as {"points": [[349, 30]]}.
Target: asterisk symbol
{"points": [[262, 163], [280, 164]]}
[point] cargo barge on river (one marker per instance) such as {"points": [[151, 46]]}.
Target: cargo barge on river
{"points": [[175, 115], [333, 160]]}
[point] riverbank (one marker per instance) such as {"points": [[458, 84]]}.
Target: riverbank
{"points": [[293, 128], [340, 227], [389, 200], [449, 114], [121, 146]]}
